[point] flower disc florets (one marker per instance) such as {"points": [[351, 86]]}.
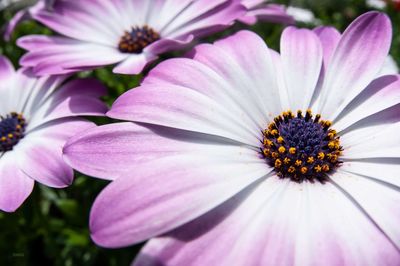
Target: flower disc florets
{"points": [[301, 147], [12, 128], [137, 39]]}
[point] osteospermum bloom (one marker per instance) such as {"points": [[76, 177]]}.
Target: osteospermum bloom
{"points": [[37, 116], [264, 11], [243, 156], [129, 33]]}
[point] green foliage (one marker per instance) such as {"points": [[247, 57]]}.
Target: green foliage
{"points": [[51, 228]]}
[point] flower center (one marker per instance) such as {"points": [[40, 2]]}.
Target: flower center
{"points": [[301, 147], [12, 128], [137, 39]]}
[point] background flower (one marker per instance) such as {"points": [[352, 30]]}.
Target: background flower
{"points": [[134, 33], [26, 14], [303, 15], [37, 116], [196, 174]]}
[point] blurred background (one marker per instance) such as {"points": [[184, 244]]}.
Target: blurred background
{"points": [[51, 228]]}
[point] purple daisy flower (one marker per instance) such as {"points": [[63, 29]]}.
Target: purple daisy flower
{"points": [[26, 14], [219, 171], [37, 116], [264, 11], [129, 33]]}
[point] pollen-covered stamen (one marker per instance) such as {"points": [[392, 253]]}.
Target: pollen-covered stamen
{"points": [[12, 128], [137, 39], [301, 147]]}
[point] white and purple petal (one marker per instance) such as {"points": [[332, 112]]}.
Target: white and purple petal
{"points": [[179, 188], [260, 10], [358, 57], [41, 152], [274, 222], [302, 56], [15, 186]]}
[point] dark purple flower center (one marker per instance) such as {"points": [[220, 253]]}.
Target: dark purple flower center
{"points": [[12, 128], [301, 147], [137, 39]]}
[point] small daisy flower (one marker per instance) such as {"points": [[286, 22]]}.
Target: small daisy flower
{"points": [[303, 15], [264, 11], [37, 116], [243, 156], [129, 33]]}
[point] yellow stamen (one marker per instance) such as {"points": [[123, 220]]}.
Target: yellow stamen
{"points": [[325, 168], [304, 170], [266, 152], [271, 126], [318, 168], [278, 163], [268, 143], [331, 145], [334, 158], [274, 132], [281, 149], [332, 134]]}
